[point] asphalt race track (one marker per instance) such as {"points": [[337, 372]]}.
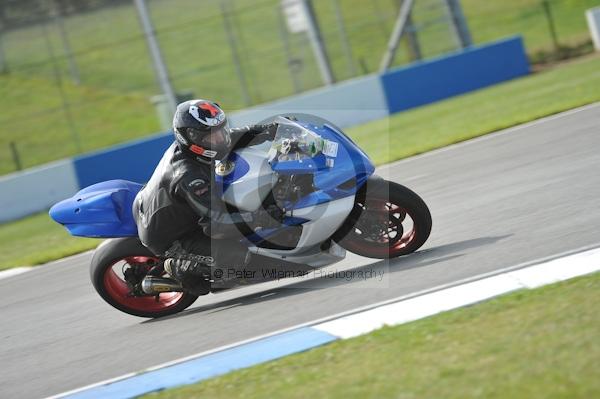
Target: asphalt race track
{"points": [[505, 199]]}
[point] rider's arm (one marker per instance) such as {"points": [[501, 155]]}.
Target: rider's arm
{"points": [[198, 194], [219, 222], [252, 134]]}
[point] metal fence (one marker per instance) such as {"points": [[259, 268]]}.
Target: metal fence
{"points": [[72, 82]]}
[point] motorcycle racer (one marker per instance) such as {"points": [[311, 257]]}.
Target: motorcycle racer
{"points": [[322, 209], [178, 214]]}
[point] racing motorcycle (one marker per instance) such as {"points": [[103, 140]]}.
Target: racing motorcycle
{"points": [[322, 182]]}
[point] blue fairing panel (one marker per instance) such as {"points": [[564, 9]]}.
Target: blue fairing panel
{"points": [[102, 210], [305, 166], [351, 162]]}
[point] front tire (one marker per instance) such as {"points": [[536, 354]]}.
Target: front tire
{"points": [[106, 272], [388, 220]]}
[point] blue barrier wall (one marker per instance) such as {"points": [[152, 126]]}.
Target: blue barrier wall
{"points": [[36, 189], [455, 74], [133, 161]]}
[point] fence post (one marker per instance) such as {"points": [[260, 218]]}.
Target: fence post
{"points": [[254, 84], [162, 74], [459, 23], [235, 55], [344, 37], [15, 155], [3, 66], [73, 69], [551, 26], [61, 90], [412, 38], [294, 64], [399, 29], [316, 40]]}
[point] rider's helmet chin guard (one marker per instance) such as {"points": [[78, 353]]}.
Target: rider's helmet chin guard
{"points": [[201, 130]]}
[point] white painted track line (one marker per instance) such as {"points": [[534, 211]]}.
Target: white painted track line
{"points": [[549, 272], [14, 271]]}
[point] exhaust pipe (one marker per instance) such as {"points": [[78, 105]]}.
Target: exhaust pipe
{"points": [[155, 285]]}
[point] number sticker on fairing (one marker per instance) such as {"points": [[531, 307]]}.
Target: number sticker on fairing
{"points": [[330, 148]]}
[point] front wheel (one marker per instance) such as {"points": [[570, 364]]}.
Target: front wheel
{"points": [[388, 220], [117, 257]]}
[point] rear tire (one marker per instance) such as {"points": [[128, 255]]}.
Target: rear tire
{"points": [[388, 220], [110, 285]]}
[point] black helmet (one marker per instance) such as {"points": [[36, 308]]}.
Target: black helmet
{"points": [[201, 130]]}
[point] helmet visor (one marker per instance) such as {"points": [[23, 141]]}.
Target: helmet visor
{"points": [[218, 138]]}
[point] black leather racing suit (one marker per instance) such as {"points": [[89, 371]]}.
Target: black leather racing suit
{"points": [[178, 195]]}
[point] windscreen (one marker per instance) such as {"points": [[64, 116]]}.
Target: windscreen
{"points": [[293, 142]]}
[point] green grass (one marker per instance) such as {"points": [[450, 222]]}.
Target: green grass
{"points": [[37, 239], [401, 135], [102, 117], [530, 344], [489, 19], [112, 103], [408, 133]]}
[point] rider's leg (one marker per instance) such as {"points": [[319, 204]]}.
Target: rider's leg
{"points": [[196, 259], [191, 264]]}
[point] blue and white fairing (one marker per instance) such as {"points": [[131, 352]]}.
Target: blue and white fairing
{"points": [[338, 168]]}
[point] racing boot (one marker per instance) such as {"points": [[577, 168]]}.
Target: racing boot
{"points": [[193, 275]]}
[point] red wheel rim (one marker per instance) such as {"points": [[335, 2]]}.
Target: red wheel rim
{"points": [[118, 290], [382, 212]]}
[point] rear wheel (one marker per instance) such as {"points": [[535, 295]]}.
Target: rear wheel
{"points": [[388, 220], [122, 259]]}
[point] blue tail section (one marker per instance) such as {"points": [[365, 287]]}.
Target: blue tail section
{"points": [[102, 210]]}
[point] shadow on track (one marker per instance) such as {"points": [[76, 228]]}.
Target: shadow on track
{"points": [[418, 259]]}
